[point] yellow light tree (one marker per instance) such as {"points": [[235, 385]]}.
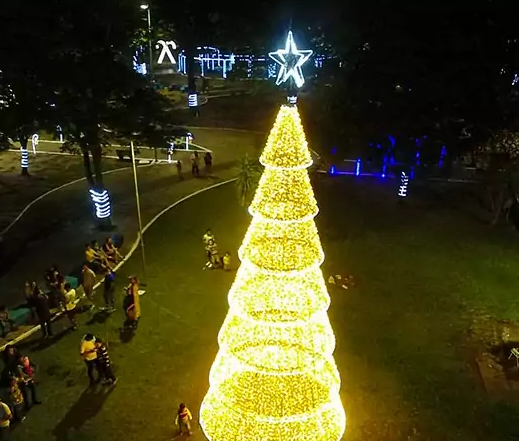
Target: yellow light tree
{"points": [[274, 377]]}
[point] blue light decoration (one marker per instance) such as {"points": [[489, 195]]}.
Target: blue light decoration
{"points": [[404, 184], [192, 100], [332, 170], [291, 61], [417, 155], [102, 203], [443, 153], [357, 168], [25, 158], [384, 167], [292, 99]]}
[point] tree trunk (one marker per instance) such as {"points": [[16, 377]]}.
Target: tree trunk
{"points": [[25, 155], [98, 166], [156, 155], [88, 168]]}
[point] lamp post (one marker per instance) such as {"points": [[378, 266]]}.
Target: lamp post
{"points": [[137, 199], [146, 7]]}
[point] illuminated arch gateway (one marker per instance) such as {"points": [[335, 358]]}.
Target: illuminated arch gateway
{"points": [[274, 377]]}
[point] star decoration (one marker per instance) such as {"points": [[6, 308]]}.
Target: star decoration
{"points": [[290, 59]]}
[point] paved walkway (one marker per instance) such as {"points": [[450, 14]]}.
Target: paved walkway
{"points": [[58, 227]]}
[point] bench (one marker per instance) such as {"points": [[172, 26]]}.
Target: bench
{"points": [[122, 153]]}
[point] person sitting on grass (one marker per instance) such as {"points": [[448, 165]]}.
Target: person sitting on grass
{"points": [[6, 324], [94, 260], [111, 251], [100, 252]]}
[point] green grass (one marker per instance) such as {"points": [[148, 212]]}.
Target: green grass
{"points": [[420, 269], [249, 112]]}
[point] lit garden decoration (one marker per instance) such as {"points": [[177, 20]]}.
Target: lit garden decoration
{"points": [[291, 61], [404, 184], [102, 203], [274, 377]]}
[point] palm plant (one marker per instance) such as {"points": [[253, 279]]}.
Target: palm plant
{"points": [[248, 173]]}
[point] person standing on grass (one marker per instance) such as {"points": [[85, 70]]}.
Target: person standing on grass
{"points": [[206, 238], [70, 304], [183, 420], [179, 169], [103, 364], [195, 168], [5, 421], [134, 288], [16, 397], [208, 161], [88, 351], [42, 308], [109, 290], [27, 370], [227, 261], [88, 280]]}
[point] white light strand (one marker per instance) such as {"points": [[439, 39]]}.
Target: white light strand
{"points": [[291, 61], [102, 203]]}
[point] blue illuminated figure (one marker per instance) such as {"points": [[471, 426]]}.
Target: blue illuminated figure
{"points": [[357, 168]]}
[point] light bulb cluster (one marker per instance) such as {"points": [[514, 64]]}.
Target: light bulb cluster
{"points": [[274, 377]]}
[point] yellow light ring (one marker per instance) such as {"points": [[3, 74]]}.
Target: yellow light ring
{"points": [[289, 247], [302, 166], [315, 336], [274, 360], [292, 272], [284, 196], [219, 422], [260, 217], [256, 289]]}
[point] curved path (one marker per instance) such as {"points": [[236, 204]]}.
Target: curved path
{"points": [[61, 223]]}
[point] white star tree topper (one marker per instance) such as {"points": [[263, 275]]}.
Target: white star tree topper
{"points": [[291, 60]]}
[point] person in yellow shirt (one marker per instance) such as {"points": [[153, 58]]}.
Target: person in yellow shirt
{"points": [[5, 420], [70, 304], [88, 351]]}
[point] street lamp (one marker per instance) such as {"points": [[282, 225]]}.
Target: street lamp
{"points": [[146, 7]]}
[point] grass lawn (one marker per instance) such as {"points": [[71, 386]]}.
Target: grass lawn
{"points": [[249, 112], [47, 172], [420, 271], [227, 144]]}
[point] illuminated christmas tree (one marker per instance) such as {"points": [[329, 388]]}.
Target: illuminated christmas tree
{"points": [[274, 377]]}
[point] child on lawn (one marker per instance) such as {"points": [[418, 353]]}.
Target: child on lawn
{"points": [[104, 366], [183, 420]]}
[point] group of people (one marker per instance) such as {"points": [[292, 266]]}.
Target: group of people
{"points": [[61, 291], [195, 163], [100, 258], [95, 354], [214, 259], [18, 377]]}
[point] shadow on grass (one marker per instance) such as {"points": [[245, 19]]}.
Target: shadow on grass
{"points": [[87, 407], [99, 317], [39, 344], [127, 331]]}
